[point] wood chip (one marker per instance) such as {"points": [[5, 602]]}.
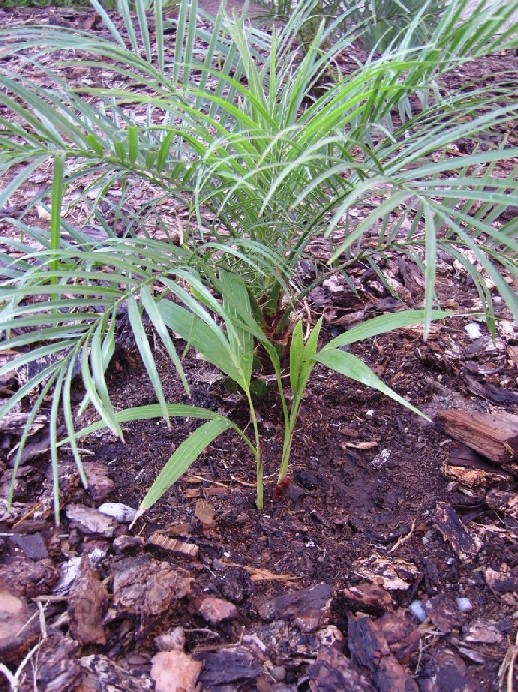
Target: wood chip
{"points": [[259, 574], [453, 530], [173, 545], [205, 512], [174, 670], [493, 435], [86, 605]]}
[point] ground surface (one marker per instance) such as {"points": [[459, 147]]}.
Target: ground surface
{"points": [[351, 577]]}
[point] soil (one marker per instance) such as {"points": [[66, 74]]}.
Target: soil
{"points": [[397, 519]]}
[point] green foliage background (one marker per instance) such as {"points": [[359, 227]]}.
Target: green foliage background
{"points": [[269, 147]]}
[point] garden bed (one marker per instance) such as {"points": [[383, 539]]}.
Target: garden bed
{"points": [[388, 560]]}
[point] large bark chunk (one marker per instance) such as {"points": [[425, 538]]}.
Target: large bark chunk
{"points": [[86, 604], [493, 435], [333, 671], [453, 530], [143, 586], [307, 607], [174, 671], [19, 629]]}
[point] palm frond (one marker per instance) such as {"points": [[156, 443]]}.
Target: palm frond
{"points": [[266, 146]]}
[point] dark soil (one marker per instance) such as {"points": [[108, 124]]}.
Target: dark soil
{"points": [[363, 512]]}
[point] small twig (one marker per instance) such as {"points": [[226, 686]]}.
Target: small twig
{"points": [[403, 539], [203, 630], [28, 515], [506, 670], [11, 679], [245, 483], [87, 452], [305, 304], [14, 678], [208, 480], [41, 618]]}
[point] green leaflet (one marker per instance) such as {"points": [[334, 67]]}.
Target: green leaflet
{"points": [[183, 458], [382, 324], [209, 341], [351, 366]]}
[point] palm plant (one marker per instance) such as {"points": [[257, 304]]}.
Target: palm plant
{"points": [[385, 21], [269, 149]]}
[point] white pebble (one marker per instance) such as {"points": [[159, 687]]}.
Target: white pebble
{"points": [[473, 330], [464, 604], [417, 610], [118, 511]]}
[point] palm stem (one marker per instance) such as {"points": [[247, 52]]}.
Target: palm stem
{"points": [[259, 469]]}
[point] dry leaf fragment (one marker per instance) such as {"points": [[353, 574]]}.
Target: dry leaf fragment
{"points": [[361, 445], [205, 512]]}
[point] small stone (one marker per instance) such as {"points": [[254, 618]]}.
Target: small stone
{"points": [[119, 511], [215, 610], [32, 545], [278, 673], [417, 610], [90, 520], [473, 330], [464, 604], [96, 551]]}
